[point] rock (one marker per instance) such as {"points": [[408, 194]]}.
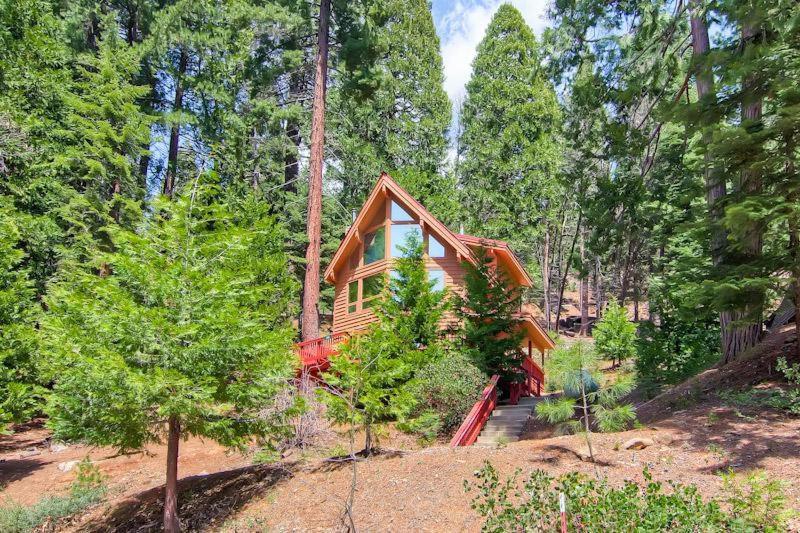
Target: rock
{"points": [[58, 447], [637, 443], [66, 466], [30, 453], [583, 454]]}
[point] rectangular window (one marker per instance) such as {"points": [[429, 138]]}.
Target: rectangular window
{"points": [[375, 245], [372, 286], [398, 214], [435, 248], [437, 277], [400, 237], [352, 296]]}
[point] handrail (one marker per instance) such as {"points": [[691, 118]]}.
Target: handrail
{"points": [[317, 351], [473, 423]]}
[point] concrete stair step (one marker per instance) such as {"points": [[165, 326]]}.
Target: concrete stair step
{"points": [[491, 440]]}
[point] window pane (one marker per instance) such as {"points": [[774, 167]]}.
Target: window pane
{"points": [[399, 214], [372, 286], [351, 308], [435, 248], [437, 277], [400, 235], [374, 243], [352, 292]]}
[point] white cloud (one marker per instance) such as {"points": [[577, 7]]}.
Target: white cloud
{"points": [[461, 29]]}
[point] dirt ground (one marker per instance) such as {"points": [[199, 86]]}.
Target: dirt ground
{"points": [[696, 436]]}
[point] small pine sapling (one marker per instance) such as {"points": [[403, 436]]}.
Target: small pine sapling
{"points": [[615, 335]]}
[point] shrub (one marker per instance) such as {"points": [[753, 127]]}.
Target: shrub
{"points": [[449, 387], [593, 505], [614, 335], [87, 489], [428, 426]]}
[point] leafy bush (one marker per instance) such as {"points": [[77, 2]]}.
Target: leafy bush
{"points": [[593, 505], [448, 387], [614, 335], [428, 426], [87, 489], [784, 400], [675, 350]]}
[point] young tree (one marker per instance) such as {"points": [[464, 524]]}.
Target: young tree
{"points": [[509, 151], [615, 335], [366, 381], [20, 393], [491, 332], [186, 333], [575, 370]]}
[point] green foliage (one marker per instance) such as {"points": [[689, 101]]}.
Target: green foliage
{"points": [[574, 367], [787, 399], [427, 425], [594, 505], [491, 333], [368, 379], [508, 148], [20, 394], [402, 127], [614, 335], [448, 387], [189, 319], [87, 489]]}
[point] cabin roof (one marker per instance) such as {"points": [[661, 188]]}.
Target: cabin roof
{"points": [[463, 244]]}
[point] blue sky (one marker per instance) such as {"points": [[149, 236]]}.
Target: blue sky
{"points": [[461, 25]]}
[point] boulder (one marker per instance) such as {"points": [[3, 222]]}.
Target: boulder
{"points": [[637, 443], [66, 466]]}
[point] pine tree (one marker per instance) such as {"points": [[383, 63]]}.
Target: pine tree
{"points": [[615, 335], [187, 333], [509, 149], [490, 332], [401, 126]]}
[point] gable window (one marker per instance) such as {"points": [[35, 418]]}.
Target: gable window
{"points": [[398, 214], [352, 296], [400, 236], [435, 248], [375, 245], [437, 277], [371, 289]]}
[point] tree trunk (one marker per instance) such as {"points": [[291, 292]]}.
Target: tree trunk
{"points": [[598, 289], [743, 326], [546, 275], [584, 290], [175, 131], [310, 323], [566, 269], [635, 297], [794, 240], [171, 522]]}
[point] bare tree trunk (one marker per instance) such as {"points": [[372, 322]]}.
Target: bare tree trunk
{"points": [[794, 241], [743, 326], [566, 269], [175, 132], [635, 297], [310, 323], [584, 290], [546, 275], [171, 522], [598, 288]]}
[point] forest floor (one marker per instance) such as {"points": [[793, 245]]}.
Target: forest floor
{"points": [[696, 434]]}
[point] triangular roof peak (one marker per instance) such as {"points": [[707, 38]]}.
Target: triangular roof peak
{"points": [[385, 188]]}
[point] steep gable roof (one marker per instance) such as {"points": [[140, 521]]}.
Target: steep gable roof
{"points": [[463, 244]]}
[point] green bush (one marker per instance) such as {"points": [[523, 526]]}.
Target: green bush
{"points": [[593, 505], [87, 489], [614, 335], [448, 387], [675, 350], [428, 426]]}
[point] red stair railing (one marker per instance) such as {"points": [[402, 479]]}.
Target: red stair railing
{"points": [[468, 433], [317, 352]]}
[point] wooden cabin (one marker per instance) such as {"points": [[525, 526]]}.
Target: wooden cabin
{"points": [[365, 256]]}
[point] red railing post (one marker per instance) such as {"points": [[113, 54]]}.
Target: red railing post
{"points": [[473, 423]]}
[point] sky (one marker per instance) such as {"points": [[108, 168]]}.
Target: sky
{"points": [[461, 25]]}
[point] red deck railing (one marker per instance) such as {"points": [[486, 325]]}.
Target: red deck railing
{"points": [[477, 417], [315, 354]]}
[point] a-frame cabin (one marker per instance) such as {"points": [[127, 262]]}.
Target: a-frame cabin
{"points": [[365, 256]]}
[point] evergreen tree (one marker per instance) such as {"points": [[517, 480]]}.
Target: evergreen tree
{"points": [[615, 335], [491, 333], [369, 378], [509, 149], [401, 126], [188, 333]]}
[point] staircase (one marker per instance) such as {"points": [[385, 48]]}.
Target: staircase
{"points": [[508, 421]]}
